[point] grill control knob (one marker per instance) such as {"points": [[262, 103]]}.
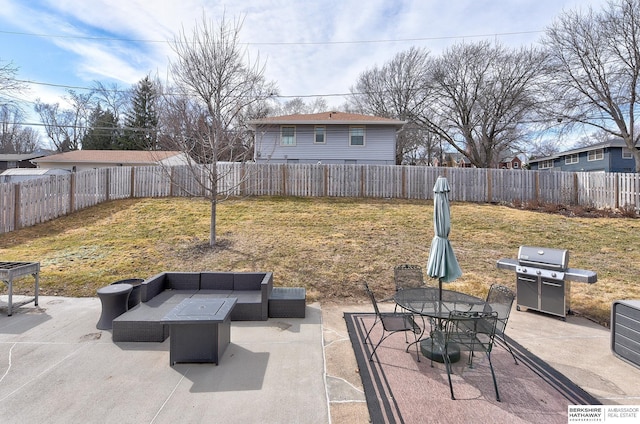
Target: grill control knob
{"points": [[524, 269], [538, 272], [553, 274]]}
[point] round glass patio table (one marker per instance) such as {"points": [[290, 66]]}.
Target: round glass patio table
{"points": [[436, 304]]}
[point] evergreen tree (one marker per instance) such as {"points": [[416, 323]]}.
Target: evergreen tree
{"points": [[103, 132], [141, 121]]}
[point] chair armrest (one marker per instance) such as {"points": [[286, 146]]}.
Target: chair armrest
{"points": [[153, 286], [266, 285]]}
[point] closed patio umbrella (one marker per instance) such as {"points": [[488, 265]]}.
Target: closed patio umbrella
{"points": [[442, 263]]}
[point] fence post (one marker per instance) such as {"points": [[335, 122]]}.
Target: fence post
{"points": [[17, 209], [108, 185], [171, 181], [325, 177], [576, 196], [283, 186], [537, 188], [243, 178], [133, 183], [489, 188], [72, 193], [403, 175], [616, 185]]}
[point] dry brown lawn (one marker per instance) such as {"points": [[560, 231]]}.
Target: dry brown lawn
{"points": [[328, 245]]}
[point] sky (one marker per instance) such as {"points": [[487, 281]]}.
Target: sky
{"points": [[308, 47]]}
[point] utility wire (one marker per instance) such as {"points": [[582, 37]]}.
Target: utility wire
{"points": [[75, 87], [283, 43]]}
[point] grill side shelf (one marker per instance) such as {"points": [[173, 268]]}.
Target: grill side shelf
{"points": [[509, 264], [580, 275]]}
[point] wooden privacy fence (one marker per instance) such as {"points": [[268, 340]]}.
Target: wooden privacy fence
{"points": [[39, 200]]}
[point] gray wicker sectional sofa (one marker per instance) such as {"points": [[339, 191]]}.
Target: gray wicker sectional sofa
{"points": [[162, 292]]}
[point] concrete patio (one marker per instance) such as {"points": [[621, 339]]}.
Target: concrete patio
{"points": [[56, 367]]}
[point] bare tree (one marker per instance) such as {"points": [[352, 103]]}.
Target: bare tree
{"points": [[397, 90], [66, 127], [14, 137], [212, 68], [595, 64], [480, 97], [298, 105], [112, 98], [9, 85]]}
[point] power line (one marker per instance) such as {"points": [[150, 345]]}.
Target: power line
{"points": [[283, 43], [79, 37], [74, 87]]}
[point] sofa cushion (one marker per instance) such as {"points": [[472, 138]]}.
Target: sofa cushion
{"points": [[182, 280], [216, 281], [171, 297], [248, 280], [247, 296], [204, 294]]}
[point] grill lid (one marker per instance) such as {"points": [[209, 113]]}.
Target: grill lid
{"points": [[543, 257]]}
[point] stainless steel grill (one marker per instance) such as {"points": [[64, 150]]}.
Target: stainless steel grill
{"points": [[543, 279]]}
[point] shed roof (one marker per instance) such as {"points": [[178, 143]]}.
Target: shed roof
{"points": [[110, 156], [18, 157], [33, 171]]}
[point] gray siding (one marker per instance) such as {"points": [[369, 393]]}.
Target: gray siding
{"points": [[611, 162], [379, 147]]}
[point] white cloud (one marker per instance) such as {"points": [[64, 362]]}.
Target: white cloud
{"points": [[299, 69]]}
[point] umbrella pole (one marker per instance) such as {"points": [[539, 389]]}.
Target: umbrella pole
{"points": [[429, 347], [439, 302]]}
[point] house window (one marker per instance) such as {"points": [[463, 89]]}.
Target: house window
{"points": [[320, 132], [515, 165], [546, 164], [597, 154], [356, 136], [626, 153], [287, 135], [570, 159]]}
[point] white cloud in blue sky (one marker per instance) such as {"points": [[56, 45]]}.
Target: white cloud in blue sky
{"points": [[310, 47]]}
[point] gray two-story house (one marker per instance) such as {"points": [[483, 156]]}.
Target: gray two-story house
{"points": [[609, 156], [327, 137]]}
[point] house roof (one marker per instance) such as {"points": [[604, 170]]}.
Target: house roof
{"points": [[615, 142], [20, 157], [327, 118], [110, 156]]}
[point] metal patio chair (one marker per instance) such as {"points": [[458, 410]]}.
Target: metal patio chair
{"points": [[407, 276], [392, 322], [473, 331], [500, 298]]}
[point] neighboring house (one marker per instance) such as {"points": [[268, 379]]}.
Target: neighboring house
{"points": [[327, 137], [90, 159], [10, 161], [609, 156], [17, 175], [513, 162]]}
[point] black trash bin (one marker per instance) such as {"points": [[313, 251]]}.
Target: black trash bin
{"points": [[134, 297]]}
